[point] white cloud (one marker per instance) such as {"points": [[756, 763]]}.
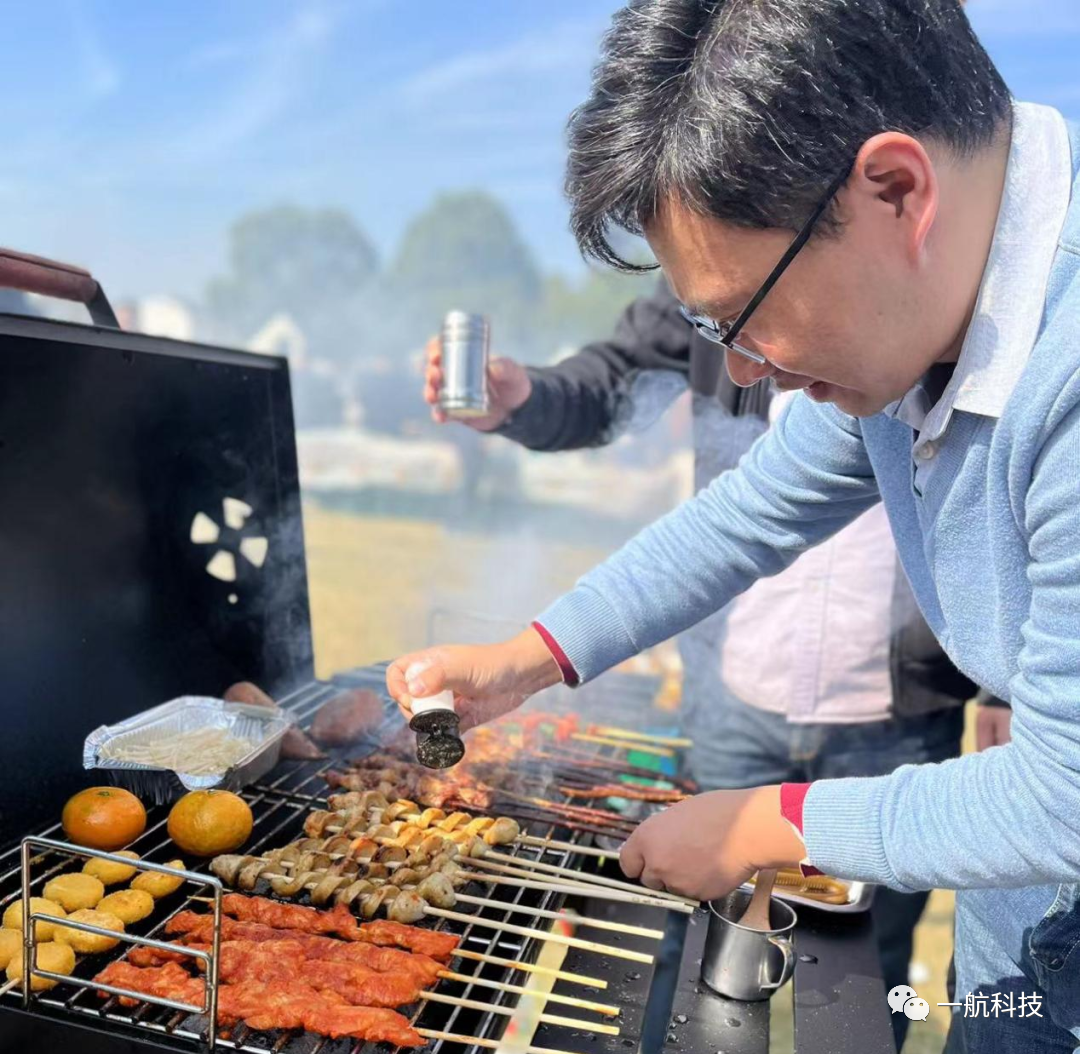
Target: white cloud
{"points": [[569, 45]]}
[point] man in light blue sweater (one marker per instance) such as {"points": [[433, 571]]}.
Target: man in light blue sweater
{"points": [[933, 324]]}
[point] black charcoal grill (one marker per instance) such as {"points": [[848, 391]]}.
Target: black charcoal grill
{"points": [[111, 445]]}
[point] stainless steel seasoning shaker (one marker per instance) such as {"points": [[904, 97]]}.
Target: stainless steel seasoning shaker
{"points": [[465, 340]]}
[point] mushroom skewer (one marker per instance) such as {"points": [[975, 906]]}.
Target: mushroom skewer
{"points": [[377, 865], [359, 810], [401, 905]]}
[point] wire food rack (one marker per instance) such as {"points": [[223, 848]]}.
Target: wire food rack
{"points": [[279, 805]]}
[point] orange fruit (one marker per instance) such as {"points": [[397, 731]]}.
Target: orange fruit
{"points": [[103, 818], [208, 822]]}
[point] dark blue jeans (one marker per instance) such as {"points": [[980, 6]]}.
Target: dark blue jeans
{"points": [[736, 745]]}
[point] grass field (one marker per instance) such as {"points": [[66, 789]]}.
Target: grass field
{"points": [[375, 586]]}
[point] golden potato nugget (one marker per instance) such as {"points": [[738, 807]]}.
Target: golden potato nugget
{"points": [[74, 892], [157, 884], [109, 873], [89, 943], [10, 946], [57, 958], [44, 931], [128, 905]]}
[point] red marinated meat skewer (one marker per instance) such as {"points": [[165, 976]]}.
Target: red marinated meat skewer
{"points": [[341, 921], [263, 1006], [420, 970]]}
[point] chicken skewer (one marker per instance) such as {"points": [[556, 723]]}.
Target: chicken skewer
{"points": [[379, 864], [401, 905], [199, 928], [365, 807], [341, 921], [332, 970]]}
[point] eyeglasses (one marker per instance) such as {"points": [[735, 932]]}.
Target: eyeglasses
{"points": [[725, 333]]}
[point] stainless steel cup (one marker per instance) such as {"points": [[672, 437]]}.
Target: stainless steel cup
{"points": [[744, 963]]}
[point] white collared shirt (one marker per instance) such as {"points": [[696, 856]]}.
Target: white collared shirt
{"points": [[1009, 309]]}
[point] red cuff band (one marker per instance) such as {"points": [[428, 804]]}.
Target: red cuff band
{"points": [[792, 799], [792, 796], [566, 667]]}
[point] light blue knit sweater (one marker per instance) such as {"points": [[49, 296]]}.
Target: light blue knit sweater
{"points": [[992, 549]]}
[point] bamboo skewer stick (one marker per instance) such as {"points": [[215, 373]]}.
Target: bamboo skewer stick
{"points": [[676, 902], [4, 989], [618, 744], [640, 737], [554, 938], [509, 1011], [554, 845], [543, 971], [578, 920], [604, 1009]]}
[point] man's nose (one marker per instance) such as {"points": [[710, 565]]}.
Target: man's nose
{"points": [[744, 372]]}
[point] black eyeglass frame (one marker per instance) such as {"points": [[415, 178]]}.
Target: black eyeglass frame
{"points": [[724, 333]]}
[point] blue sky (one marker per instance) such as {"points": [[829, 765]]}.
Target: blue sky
{"points": [[135, 132]]}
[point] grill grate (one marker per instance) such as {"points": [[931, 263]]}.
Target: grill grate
{"points": [[279, 804]]}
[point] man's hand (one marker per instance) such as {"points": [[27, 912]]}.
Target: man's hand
{"points": [[508, 388], [710, 844], [487, 680], [992, 726]]}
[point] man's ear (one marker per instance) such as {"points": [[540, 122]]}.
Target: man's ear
{"points": [[893, 171]]}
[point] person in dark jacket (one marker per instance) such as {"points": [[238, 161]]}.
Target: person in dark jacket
{"points": [[827, 669]]}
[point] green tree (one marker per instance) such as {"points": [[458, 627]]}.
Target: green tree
{"points": [[310, 264], [464, 252]]}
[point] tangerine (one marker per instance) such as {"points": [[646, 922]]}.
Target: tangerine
{"points": [[209, 822], [104, 818]]}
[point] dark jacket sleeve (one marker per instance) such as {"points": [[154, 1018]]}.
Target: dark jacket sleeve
{"points": [[578, 402]]}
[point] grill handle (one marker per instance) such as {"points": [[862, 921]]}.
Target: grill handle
{"points": [[35, 274]]}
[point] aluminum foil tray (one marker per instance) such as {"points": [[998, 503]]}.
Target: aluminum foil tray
{"points": [[263, 726]]}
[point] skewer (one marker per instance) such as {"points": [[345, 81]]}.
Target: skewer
{"points": [[529, 880], [618, 744], [641, 737], [548, 844], [554, 938], [4, 989], [477, 1041], [677, 902], [610, 888], [544, 971], [520, 883], [509, 1011], [584, 812], [606, 1009]]}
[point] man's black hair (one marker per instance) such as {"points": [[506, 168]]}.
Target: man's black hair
{"points": [[746, 110]]}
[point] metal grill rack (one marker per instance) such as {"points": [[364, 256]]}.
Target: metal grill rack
{"points": [[279, 805]]}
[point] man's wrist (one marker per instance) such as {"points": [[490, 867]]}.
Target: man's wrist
{"points": [[779, 844], [533, 662]]}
